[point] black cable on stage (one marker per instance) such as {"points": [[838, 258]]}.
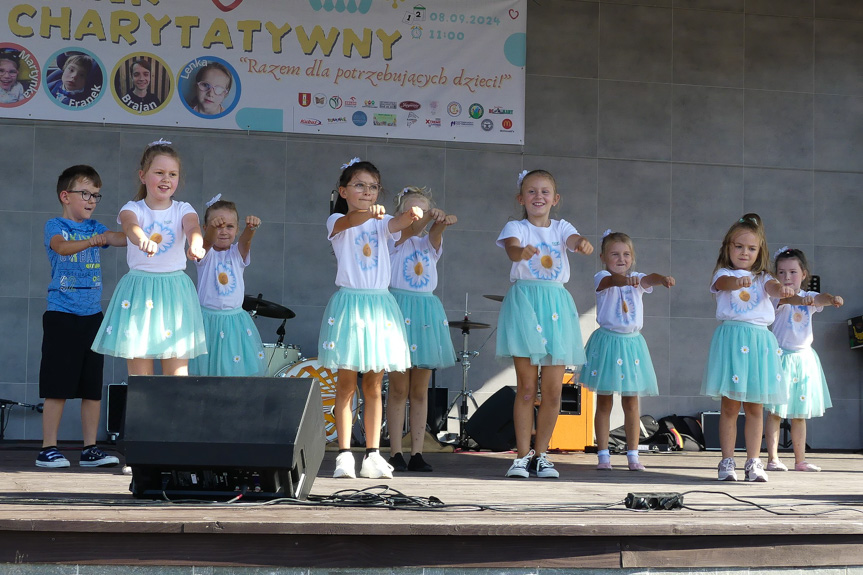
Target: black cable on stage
{"points": [[770, 508]]}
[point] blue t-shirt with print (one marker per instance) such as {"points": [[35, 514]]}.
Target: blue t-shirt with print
{"points": [[76, 280]]}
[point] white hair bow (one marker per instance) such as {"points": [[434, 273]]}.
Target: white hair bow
{"points": [[213, 200], [159, 142], [350, 163], [779, 251], [521, 176], [606, 232]]}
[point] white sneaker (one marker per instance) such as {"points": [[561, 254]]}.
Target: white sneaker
{"points": [[345, 466], [376, 467], [755, 471], [519, 467], [545, 468], [726, 470]]}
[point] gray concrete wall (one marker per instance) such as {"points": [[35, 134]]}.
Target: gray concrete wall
{"points": [[666, 119]]}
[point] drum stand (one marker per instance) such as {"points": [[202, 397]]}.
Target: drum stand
{"points": [[464, 357]]}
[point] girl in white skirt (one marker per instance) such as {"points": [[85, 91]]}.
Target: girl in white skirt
{"points": [[743, 366], [808, 396], [233, 342], [413, 259], [154, 312], [618, 360], [363, 329], [538, 323]]}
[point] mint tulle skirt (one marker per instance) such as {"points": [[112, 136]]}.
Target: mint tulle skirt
{"points": [[744, 365], [233, 344], [808, 395], [363, 330], [153, 316], [538, 320], [428, 331], [618, 363]]}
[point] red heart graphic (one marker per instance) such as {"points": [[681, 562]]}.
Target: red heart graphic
{"points": [[229, 7], [512, 13]]}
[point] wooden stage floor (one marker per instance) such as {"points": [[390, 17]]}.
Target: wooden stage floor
{"points": [[86, 516]]}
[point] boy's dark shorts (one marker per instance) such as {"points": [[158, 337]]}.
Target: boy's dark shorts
{"points": [[70, 369]]}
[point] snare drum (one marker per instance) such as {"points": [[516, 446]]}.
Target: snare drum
{"points": [[327, 380], [278, 356]]}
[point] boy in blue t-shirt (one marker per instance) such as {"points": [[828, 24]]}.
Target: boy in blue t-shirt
{"points": [[69, 369]]}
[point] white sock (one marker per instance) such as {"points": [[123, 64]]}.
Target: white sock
{"points": [[604, 456]]}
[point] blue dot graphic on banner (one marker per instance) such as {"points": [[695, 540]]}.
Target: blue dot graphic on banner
{"points": [[260, 119], [515, 49], [74, 78], [209, 87], [350, 6]]}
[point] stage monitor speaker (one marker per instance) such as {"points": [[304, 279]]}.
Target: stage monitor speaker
{"points": [[219, 437], [491, 425], [437, 404], [710, 427]]}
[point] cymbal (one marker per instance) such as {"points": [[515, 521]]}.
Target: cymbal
{"points": [[468, 325], [493, 297], [264, 308]]}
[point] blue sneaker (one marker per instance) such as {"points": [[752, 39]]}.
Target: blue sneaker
{"points": [[51, 457], [95, 457]]}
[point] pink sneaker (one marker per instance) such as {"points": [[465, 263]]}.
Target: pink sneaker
{"points": [[636, 466], [806, 466], [776, 465], [603, 466]]}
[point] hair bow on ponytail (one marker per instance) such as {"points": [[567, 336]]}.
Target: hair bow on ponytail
{"points": [[159, 142], [606, 232], [350, 163], [521, 176], [213, 200], [402, 193]]}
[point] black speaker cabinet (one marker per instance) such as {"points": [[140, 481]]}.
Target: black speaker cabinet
{"points": [[437, 404], [220, 437], [710, 427], [491, 425]]}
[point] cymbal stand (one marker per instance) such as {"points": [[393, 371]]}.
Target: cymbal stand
{"points": [[8, 404], [464, 357]]}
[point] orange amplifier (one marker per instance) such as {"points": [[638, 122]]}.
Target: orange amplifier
{"points": [[574, 429]]}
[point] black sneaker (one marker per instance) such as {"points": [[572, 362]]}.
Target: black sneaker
{"points": [[51, 457], [417, 463], [95, 457], [398, 462]]}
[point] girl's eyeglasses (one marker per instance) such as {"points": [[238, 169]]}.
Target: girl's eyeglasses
{"points": [[86, 196], [360, 187], [217, 90]]}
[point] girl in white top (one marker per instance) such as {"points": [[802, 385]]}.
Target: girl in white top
{"points": [[808, 395], [538, 324], [743, 367], [233, 342], [618, 360], [413, 259], [362, 330], [154, 312]]}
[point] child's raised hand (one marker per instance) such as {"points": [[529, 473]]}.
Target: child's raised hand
{"points": [[252, 222], [415, 213], [378, 212], [218, 221], [148, 246], [746, 281], [837, 301], [631, 280], [584, 246], [196, 253], [450, 219], [529, 251], [786, 291], [98, 240], [438, 215], [667, 281], [807, 300]]}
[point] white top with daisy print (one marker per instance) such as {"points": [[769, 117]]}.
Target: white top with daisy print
{"points": [[414, 264], [362, 253], [751, 304], [551, 264], [220, 278], [793, 325], [619, 309], [165, 227]]}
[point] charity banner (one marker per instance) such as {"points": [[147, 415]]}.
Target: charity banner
{"points": [[450, 70]]}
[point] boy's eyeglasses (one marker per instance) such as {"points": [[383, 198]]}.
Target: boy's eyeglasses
{"points": [[360, 187], [217, 90], [86, 196]]}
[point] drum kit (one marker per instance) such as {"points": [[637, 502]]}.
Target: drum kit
{"points": [[286, 360]]}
